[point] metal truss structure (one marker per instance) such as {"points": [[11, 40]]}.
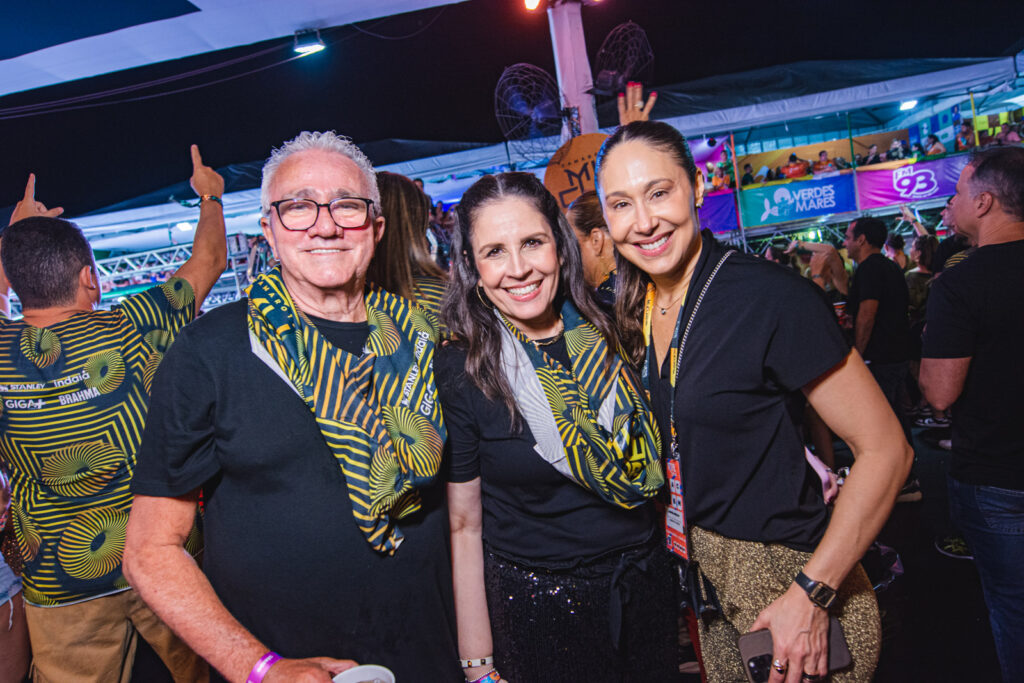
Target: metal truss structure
{"points": [[123, 275]]}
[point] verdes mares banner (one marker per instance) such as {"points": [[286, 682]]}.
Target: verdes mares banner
{"points": [[781, 203], [912, 182]]}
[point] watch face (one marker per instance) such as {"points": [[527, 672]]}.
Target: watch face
{"points": [[822, 595]]}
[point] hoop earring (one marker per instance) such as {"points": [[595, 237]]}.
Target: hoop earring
{"points": [[485, 302]]}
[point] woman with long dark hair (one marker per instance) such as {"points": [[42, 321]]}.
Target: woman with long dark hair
{"points": [[401, 262], [557, 568], [727, 343]]}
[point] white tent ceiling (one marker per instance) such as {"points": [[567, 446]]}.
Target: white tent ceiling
{"points": [[219, 24]]}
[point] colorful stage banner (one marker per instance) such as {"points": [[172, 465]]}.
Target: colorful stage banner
{"points": [[718, 213], [781, 203], [703, 151], [909, 183]]}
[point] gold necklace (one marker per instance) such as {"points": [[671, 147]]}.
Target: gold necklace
{"points": [[664, 310]]}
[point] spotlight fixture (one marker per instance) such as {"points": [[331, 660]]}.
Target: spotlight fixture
{"points": [[532, 4], [908, 105], [712, 141], [308, 41]]}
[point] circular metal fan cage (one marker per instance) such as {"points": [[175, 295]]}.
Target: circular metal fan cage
{"points": [[625, 55], [529, 111]]}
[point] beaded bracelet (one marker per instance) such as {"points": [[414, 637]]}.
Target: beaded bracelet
{"points": [[262, 666]]}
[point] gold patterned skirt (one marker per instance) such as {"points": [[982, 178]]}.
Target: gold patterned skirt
{"points": [[749, 576]]}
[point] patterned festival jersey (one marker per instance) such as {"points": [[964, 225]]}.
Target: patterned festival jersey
{"points": [[73, 401]]}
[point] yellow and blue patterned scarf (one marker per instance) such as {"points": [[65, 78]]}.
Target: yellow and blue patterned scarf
{"points": [[609, 440], [378, 413]]}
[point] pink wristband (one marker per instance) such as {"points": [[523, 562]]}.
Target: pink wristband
{"points": [[262, 667]]}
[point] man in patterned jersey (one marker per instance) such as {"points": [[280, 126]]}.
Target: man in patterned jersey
{"points": [[74, 392]]}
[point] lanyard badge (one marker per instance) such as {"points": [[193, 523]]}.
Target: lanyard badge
{"points": [[675, 515], [675, 512]]}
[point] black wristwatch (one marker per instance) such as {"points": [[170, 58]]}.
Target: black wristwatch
{"points": [[820, 594]]}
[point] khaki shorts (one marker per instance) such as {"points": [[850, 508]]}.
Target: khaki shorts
{"points": [[95, 641]]}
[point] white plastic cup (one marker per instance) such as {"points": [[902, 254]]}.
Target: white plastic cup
{"points": [[366, 673]]}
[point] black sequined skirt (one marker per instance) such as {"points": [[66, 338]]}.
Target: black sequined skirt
{"points": [[611, 621]]}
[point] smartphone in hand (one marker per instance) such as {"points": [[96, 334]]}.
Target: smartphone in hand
{"points": [[756, 652]]}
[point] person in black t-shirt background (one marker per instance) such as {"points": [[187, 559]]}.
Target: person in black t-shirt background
{"points": [[878, 304], [971, 362]]}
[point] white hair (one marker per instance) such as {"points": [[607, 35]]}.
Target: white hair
{"points": [[327, 141]]}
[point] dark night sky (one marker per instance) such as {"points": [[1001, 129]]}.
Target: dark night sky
{"points": [[439, 84]]}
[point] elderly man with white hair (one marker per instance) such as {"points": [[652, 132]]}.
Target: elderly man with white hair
{"points": [[304, 420]]}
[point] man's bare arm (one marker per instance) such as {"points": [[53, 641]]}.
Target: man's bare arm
{"points": [[867, 310], [170, 582], [209, 248], [909, 217]]}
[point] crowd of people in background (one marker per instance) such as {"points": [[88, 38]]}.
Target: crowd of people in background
{"points": [[934, 323], [899, 149], [489, 438]]}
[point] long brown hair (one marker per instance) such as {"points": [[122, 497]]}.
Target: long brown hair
{"points": [[403, 254], [468, 313], [630, 281]]}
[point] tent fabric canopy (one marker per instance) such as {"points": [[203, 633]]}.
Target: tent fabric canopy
{"points": [[170, 30], [806, 89], [732, 102]]}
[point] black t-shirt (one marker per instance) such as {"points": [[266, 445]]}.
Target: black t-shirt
{"points": [[880, 279], [282, 549], [350, 337], [762, 332], [977, 309], [532, 514]]}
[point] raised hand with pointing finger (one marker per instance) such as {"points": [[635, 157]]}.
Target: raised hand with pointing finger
{"points": [[209, 247], [27, 206], [205, 181]]}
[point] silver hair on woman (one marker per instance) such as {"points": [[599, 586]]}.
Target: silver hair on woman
{"points": [[327, 141]]}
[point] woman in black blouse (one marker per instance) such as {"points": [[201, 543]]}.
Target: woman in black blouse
{"points": [[557, 568], [747, 338]]}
